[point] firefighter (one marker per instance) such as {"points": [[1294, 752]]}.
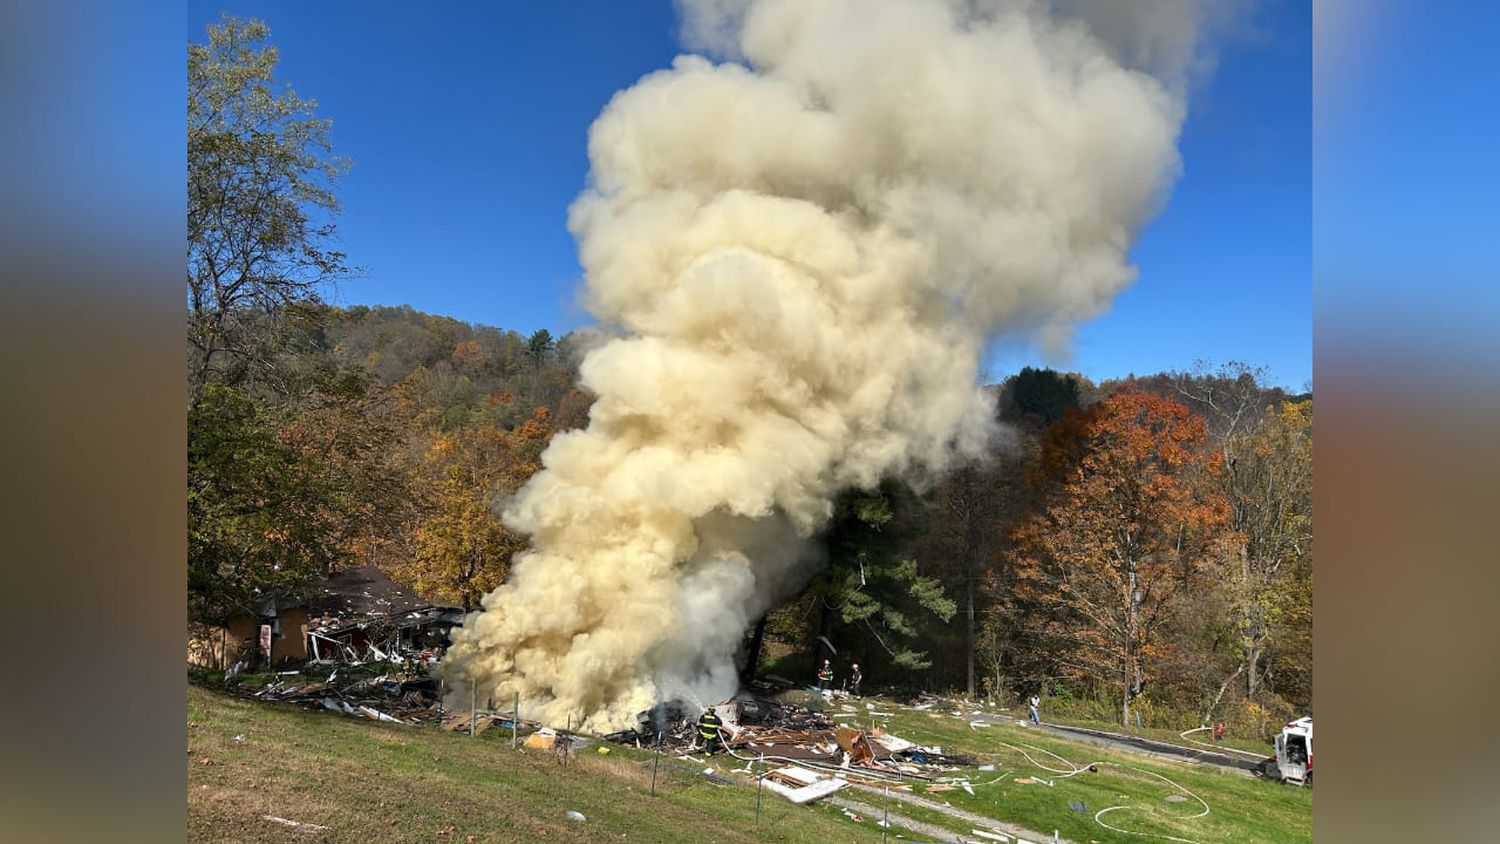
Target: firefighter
{"points": [[825, 676], [855, 677], [709, 727]]}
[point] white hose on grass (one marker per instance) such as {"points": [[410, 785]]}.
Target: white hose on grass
{"points": [[1098, 816], [1074, 770], [1216, 747]]}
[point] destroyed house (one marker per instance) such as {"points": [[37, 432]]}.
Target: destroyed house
{"points": [[355, 614], [362, 615]]}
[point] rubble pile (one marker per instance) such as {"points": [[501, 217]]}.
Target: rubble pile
{"points": [[383, 697], [761, 729]]}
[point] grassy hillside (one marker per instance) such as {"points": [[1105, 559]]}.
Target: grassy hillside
{"points": [[378, 782]]}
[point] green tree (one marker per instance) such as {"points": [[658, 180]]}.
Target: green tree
{"points": [[540, 345], [289, 474], [870, 587], [1043, 395], [260, 207], [246, 530], [280, 495]]}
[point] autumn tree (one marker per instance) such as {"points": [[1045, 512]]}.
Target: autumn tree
{"points": [[1267, 481], [460, 550], [286, 450], [279, 495], [1266, 445], [1127, 520], [260, 178]]}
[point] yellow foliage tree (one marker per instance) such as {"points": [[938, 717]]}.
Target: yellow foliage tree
{"points": [[459, 549], [1268, 481]]}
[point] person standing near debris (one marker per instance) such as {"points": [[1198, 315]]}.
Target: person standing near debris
{"points": [[709, 730], [1035, 702], [855, 677], [825, 676]]}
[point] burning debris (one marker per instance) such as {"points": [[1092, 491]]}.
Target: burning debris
{"points": [[764, 730]]}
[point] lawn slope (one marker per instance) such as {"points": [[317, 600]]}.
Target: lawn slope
{"points": [[372, 782]]}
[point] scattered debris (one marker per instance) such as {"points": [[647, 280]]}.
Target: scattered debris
{"points": [[369, 691], [1176, 798], [792, 728], [481, 722], [542, 739], [1077, 807], [575, 816], [298, 825], [376, 714], [800, 785]]}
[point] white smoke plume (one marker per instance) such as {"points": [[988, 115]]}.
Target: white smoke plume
{"points": [[805, 254]]}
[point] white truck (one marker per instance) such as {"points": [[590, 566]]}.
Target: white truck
{"points": [[1293, 762]]}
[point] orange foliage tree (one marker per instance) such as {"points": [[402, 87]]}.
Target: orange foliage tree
{"points": [[459, 550], [1125, 521]]}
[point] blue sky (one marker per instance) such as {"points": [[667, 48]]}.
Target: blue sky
{"points": [[468, 126]]}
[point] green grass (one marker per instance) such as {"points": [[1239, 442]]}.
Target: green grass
{"points": [[380, 782], [1241, 809]]}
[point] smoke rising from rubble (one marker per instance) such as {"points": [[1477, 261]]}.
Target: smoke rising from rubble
{"points": [[805, 255]]}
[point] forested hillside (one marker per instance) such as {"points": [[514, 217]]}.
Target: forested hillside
{"points": [[386, 438], [459, 374]]}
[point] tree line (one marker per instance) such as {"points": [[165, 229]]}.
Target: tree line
{"points": [[1141, 548], [1138, 550]]}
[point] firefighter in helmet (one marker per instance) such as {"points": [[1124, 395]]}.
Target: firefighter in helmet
{"points": [[709, 730]]}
